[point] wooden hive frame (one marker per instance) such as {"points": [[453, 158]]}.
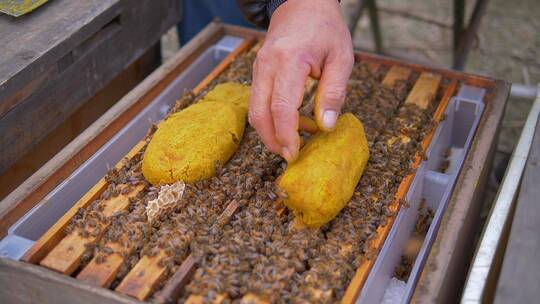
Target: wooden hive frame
{"points": [[140, 284]]}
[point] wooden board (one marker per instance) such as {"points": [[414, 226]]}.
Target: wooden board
{"points": [[18, 67], [251, 298], [143, 278], [396, 73], [72, 127], [201, 300], [470, 79], [27, 283], [102, 274], [373, 67], [171, 292], [424, 90]]}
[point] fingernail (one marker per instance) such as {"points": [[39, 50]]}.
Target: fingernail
{"points": [[287, 154], [329, 119]]}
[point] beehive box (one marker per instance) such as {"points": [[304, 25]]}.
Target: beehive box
{"points": [[408, 97]]}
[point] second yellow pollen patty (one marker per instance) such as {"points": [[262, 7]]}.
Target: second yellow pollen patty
{"points": [[322, 181]]}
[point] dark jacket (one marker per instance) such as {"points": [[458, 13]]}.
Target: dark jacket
{"points": [[259, 12]]}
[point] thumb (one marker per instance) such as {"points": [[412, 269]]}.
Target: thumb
{"points": [[332, 90]]}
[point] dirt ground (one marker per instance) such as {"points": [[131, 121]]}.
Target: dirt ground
{"points": [[507, 47]]}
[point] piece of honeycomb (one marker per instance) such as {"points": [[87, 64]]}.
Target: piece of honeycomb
{"points": [[168, 197]]}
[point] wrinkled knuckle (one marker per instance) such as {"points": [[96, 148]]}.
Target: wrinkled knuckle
{"points": [[280, 106], [335, 95], [280, 53], [263, 57], [301, 60], [284, 50], [255, 117]]}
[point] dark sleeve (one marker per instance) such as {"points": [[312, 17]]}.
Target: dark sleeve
{"points": [[259, 12]]}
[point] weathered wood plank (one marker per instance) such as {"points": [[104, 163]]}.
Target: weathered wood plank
{"points": [[251, 298], [373, 66], [26, 283], [375, 245], [173, 287], [102, 274], [394, 74], [79, 121], [470, 79], [197, 299], [65, 257], [424, 89], [143, 278], [31, 44]]}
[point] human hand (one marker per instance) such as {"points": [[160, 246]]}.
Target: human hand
{"points": [[305, 38]]}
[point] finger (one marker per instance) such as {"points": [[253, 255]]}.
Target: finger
{"points": [[286, 99], [307, 124], [332, 89], [260, 116]]}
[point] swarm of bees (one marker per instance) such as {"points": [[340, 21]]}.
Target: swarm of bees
{"points": [[285, 264], [258, 249]]}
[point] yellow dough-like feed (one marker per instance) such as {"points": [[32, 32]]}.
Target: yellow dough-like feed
{"points": [[322, 181], [187, 145]]}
